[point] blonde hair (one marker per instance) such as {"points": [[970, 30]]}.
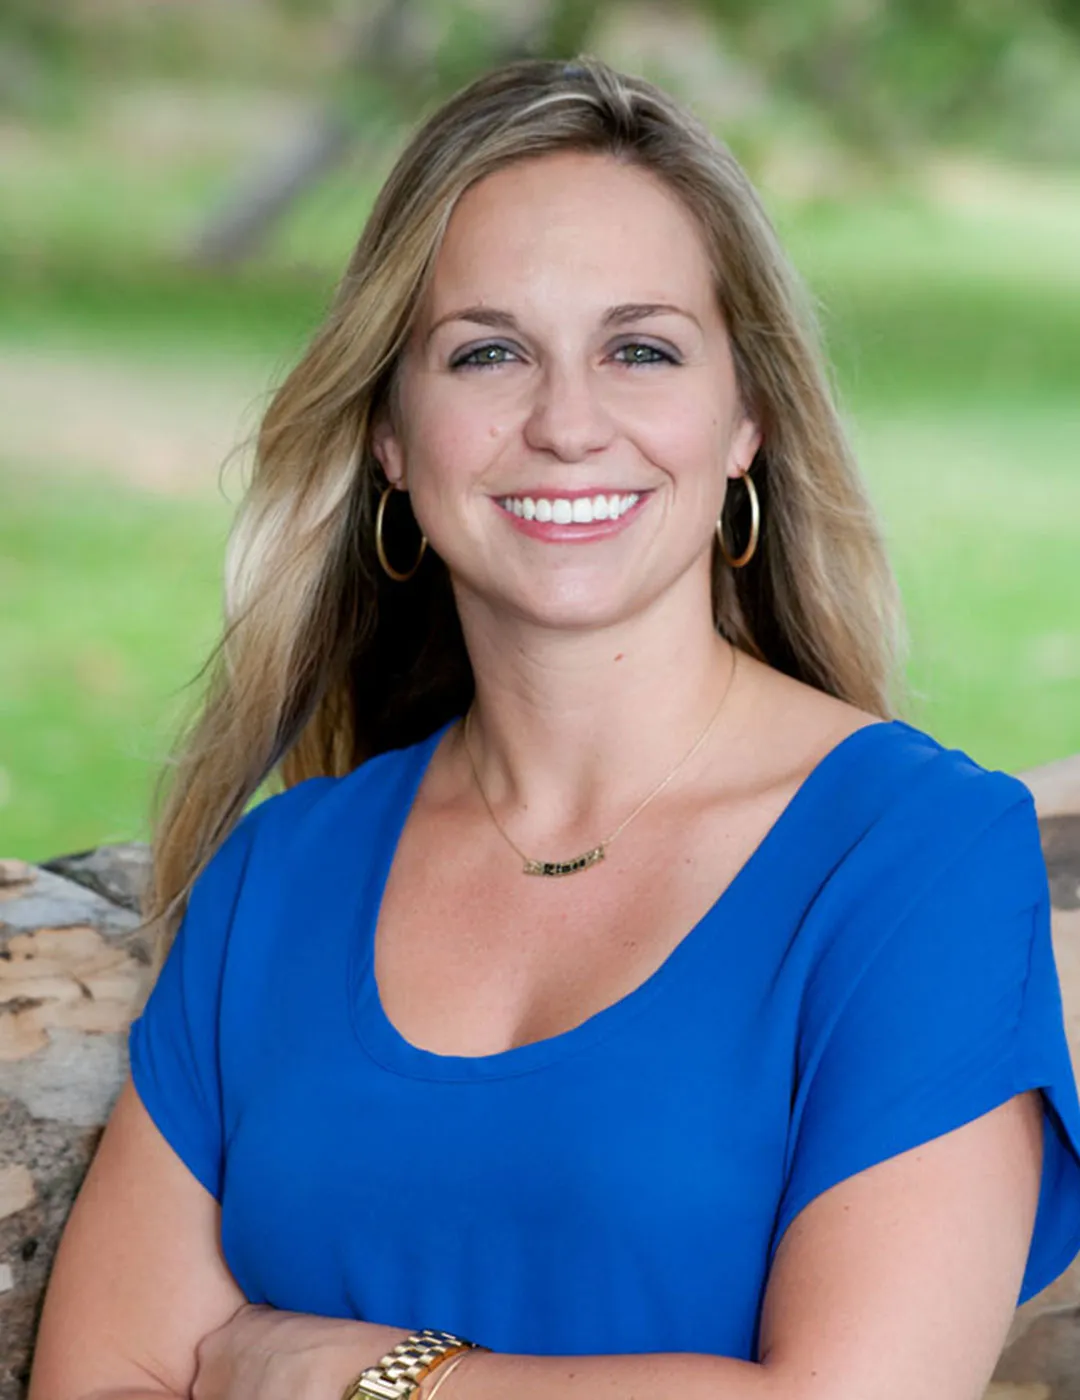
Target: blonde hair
{"points": [[324, 661]]}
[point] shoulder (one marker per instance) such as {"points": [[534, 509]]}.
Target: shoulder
{"points": [[320, 821], [928, 795], [897, 771], [885, 813], [943, 785], [913, 845], [928, 833]]}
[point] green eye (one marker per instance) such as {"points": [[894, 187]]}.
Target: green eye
{"points": [[482, 356], [641, 354]]}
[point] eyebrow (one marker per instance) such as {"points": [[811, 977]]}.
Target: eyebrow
{"points": [[613, 316]]}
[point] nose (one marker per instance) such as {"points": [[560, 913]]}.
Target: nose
{"points": [[566, 417]]}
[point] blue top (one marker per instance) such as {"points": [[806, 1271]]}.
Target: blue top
{"points": [[879, 973]]}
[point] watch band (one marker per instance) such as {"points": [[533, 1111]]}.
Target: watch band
{"points": [[399, 1372]]}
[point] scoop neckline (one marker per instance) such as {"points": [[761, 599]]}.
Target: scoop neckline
{"points": [[389, 1048]]}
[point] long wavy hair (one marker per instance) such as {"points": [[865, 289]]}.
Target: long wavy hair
{"points": [[324, 661]]}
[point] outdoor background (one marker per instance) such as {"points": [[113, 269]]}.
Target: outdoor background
{"points": [[181, 182]]}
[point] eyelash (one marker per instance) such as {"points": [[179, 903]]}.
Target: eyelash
{"points": [[467, 362]]}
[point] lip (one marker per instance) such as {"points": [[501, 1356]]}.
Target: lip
{"points": [[571, 534]]}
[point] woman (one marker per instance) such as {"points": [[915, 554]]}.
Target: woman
{"points": [[619, 990]]}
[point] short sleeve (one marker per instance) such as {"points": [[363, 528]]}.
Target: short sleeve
{"points": [[957, 1009], [173, 1045]]}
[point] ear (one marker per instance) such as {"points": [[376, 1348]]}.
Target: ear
{"points": [[387, 450], [745, 442]]}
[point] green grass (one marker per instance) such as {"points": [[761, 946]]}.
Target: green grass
{"points": [[955, 329], [956, 305], [982, 511], [110, 605]]}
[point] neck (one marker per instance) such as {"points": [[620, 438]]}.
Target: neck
{"points": [[570, 729]]}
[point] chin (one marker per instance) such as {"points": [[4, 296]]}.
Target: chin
{"points": [[566, 599], [575, 610]]}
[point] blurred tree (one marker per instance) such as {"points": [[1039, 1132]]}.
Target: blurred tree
{"points": [[390, 71], [1068, 11], [886, 75], [36, 46], [884, 72], [887, 72], [262, 195]]}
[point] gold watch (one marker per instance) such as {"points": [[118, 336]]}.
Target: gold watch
{"points": [[401, 1370]]}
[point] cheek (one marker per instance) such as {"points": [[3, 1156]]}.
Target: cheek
{"points": [[685, 441], [454, 436], [683, 417]]}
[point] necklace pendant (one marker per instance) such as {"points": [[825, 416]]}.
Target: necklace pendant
{"points": [[564, 867]]}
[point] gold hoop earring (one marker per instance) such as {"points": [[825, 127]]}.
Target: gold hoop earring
{"points": [[744, 558], [380, 550]]}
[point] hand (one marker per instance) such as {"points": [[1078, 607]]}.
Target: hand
{"points": [[265, 1353]]}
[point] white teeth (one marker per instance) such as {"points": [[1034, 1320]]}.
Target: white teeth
{"points": [[581, 510]]}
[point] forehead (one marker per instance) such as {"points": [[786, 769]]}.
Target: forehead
{"points": [[572, 225]]}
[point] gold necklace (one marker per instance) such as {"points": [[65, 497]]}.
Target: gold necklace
{"points": [[597, 853]]}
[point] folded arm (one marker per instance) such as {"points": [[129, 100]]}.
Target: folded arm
{"points": [[900, 1280]]}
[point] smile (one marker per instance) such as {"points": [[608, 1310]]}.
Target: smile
{"points": [[562, 510]]}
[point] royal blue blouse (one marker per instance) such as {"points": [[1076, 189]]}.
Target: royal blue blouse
{"points": [[879, 972]]}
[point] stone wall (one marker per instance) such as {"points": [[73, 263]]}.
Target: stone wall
{"points": [[74, 972], [1041, 1359]]}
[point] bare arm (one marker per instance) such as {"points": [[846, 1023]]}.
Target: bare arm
{"points": [[139, 1278], [900, 1281]]}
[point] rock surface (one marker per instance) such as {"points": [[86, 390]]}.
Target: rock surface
{"points": [[1044, 1341], [74, 972]]}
